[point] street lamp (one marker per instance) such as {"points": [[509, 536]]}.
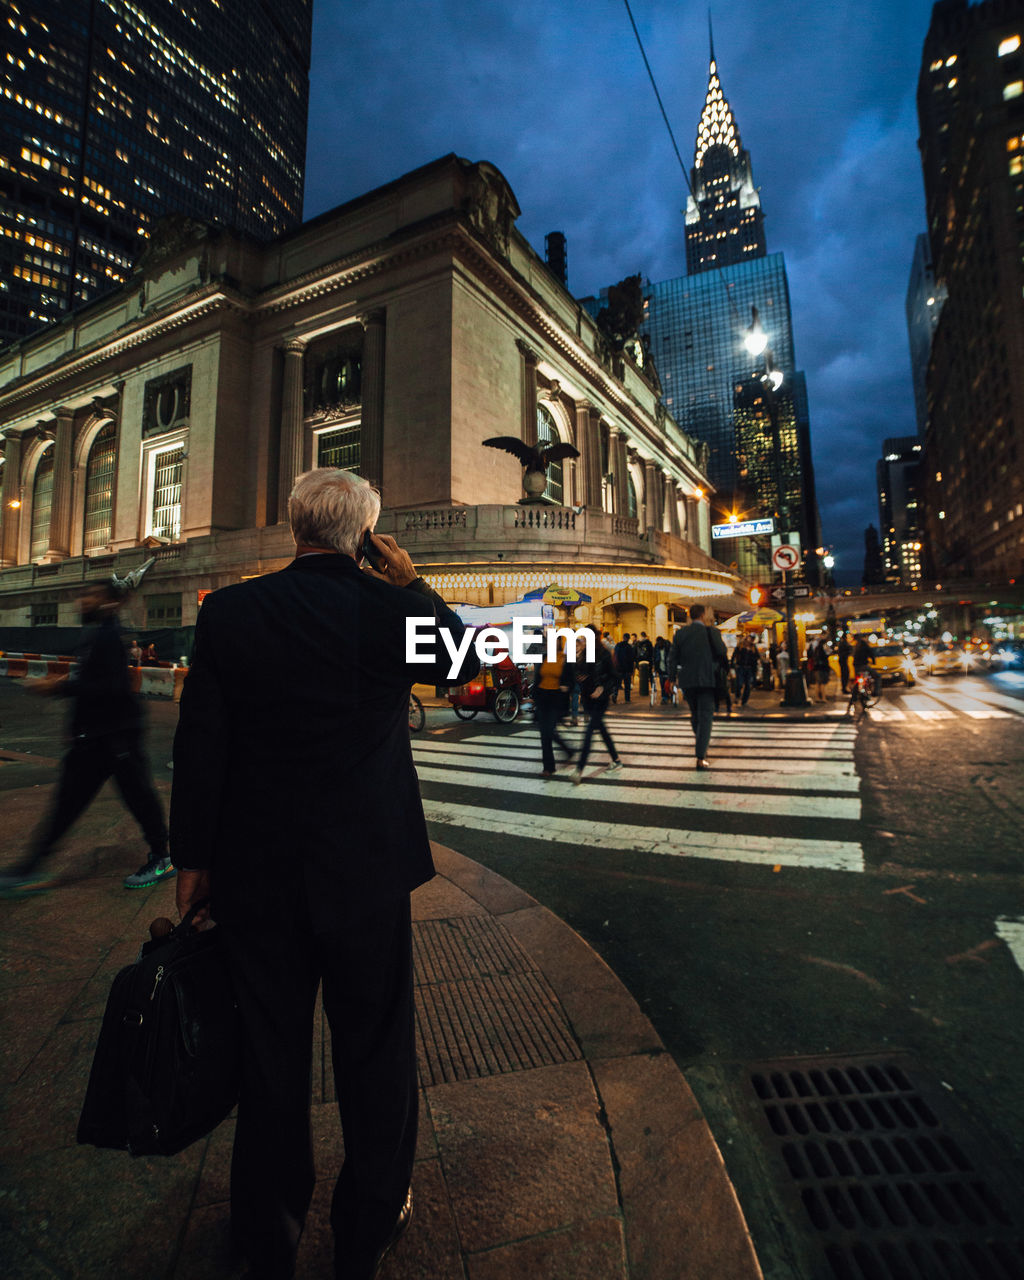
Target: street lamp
{"points": [[756, 342]]}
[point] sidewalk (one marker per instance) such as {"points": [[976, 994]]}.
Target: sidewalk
{"points": [[558, 1140]]}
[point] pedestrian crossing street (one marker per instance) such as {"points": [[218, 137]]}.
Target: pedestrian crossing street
{"points": [[941, 698], [797, 780]]}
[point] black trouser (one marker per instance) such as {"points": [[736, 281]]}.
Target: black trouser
{"points": [[626, 683], [366, 967], [549, 707], [844, 672], [85, 768], [702, 707], [595, 720]]}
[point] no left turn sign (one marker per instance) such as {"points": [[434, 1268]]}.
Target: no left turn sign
{"points": [[785, 557]]}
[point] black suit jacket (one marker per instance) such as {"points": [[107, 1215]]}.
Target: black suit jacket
{"points": [[292, 761]]}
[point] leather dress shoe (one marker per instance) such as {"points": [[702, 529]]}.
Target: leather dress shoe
{"points": [[703, 764], [365, 1267]]}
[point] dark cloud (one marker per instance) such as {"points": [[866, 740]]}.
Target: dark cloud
{"points": [[556, 95]]}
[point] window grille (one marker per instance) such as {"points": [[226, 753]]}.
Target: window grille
{"points": [[167, 493], [99, 489], [340, 448], [42, 504], [547, 433]]}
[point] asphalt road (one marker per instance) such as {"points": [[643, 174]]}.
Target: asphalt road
{"points": [[824, 891]]}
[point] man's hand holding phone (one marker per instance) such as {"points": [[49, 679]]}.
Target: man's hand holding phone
{"points": [[386, 559]]}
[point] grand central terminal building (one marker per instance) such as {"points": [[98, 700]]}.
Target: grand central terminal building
{"points": [[392, 336]]}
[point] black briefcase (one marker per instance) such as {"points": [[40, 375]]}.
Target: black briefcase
{"points": [[166, 1068]]}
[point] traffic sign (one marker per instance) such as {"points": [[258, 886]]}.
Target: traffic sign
{"points": [[743, 528], [785, 557], [799, 591]]}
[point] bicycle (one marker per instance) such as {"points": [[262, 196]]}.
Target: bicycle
{"points": [[864, 693], [417, 716]]}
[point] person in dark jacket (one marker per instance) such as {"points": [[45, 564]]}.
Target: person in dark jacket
{"points": [[843, 652], [644, 656], [661, 665], [625, 661], [551, 701], [296, 809], [698, 650], [746, 662], [106, 742], [596, 679]]}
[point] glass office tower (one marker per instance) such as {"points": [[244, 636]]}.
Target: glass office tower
{"points": [[116, 112]]}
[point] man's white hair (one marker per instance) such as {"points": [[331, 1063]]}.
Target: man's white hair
{"points": [[330, 508]]}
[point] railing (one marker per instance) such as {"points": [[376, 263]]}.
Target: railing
{"points": [[542, 517], [438, 518]]}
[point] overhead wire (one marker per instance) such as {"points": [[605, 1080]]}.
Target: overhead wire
{"points": [[654, 86]]}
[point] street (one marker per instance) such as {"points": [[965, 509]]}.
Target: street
{"points": [[826, 890]]}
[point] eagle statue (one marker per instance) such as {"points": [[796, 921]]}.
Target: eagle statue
{"points": [[535, 458], [130, 582]]}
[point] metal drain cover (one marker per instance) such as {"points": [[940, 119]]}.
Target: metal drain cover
{"points": [[886, 1182]]}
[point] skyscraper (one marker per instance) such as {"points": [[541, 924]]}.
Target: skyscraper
{"points": [[970, 101], [724, 221], [695, 326], [923, 308], [899, 508], [116, 112]]}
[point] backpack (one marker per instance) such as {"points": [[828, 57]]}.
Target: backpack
{"points": [[167, 1063]]}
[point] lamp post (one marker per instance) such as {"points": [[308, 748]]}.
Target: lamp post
{"points": [[756, 342]]}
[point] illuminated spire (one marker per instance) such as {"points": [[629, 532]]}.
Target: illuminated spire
{"points": [[717, 125]]}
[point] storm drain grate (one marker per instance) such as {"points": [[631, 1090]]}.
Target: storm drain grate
{"points": [[890, 1187]]}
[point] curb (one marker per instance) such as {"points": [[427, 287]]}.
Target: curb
{"points": [[682, 1218]]}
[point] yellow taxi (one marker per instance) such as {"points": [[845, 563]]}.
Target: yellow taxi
{"points": [[889, 661]]}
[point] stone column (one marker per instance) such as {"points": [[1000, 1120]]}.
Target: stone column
{"points": [[529, 392], [619, 472], [292, 426], [60, 514], [671, 507], [10, 516], [371, 430], [652, 495]]}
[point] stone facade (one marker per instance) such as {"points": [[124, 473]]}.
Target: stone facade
{"points": [[393, 334]]}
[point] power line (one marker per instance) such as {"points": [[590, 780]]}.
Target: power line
{"points": [[664, 116]]}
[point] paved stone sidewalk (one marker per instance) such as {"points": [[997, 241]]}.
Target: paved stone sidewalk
{"points": [[558, 1138]]}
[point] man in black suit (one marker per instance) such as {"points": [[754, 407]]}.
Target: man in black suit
{"points": [[699, 651], [296, 808]]}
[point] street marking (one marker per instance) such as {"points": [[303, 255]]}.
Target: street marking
{"points": [[810, 766], [610, 789], [981, 691], [970, 706], [584, 833], [886, 711], [1011, 930], [926, 708]]}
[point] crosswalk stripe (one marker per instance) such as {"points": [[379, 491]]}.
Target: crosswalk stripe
{"points": [[1011, 930], [926, 708], [610, 788], [679, 758], [885, 710], [584, 833], [969, 706], [982, 691]]}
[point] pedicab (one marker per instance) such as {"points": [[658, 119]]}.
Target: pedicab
{"points": [[500, 688]]}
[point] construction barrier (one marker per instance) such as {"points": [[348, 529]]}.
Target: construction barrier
{"points": [[150, 682]]}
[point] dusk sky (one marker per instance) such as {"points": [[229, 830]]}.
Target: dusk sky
{"points": [[555, 94]]}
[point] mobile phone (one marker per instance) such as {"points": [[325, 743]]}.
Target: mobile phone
{"points": [[369, 552]]}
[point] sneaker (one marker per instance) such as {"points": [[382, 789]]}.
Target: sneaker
{"points": [[615, 764], [547, 773], [22, 886], [155, 869], [577, 776]]}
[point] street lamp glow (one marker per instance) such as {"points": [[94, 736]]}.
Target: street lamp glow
{"points": [[698, 494], [829, 562]]}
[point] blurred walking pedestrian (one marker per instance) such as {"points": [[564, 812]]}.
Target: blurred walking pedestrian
{"points": [[551, 700], [843, 652], [746, 662], [106, 742], [660, 664], [699, 649], [596, 681], [625, 661], [644, 656]]}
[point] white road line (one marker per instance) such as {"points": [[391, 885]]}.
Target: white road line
{"points": [[972, 707], [926, 708], [976, 689], [886, 710], [810, 766], [622, 788], [1011, 930], [586, 834]]}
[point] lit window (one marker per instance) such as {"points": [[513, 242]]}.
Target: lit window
{"points": [[1016, 165], [99, 489], [547, 433], [42, 504], [950, 60], [1013, 90], [1010, 45], [952, 83]]}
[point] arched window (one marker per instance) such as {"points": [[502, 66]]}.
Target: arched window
{"points": [[547, 433], [630, 495], [99, 489], [42, 503]]}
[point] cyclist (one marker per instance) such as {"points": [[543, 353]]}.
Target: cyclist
{"points": [[863, 662]]}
